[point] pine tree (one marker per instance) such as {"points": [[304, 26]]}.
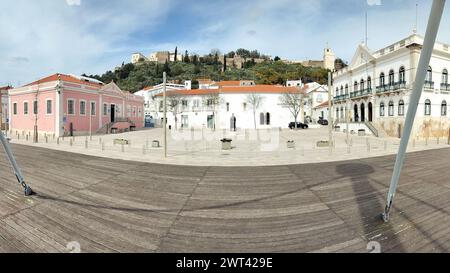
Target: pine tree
{"points": [[176, 54], [186, 57], [224, 63]]}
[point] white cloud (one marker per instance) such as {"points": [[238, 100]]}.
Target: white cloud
{"points": [[73, 2]]}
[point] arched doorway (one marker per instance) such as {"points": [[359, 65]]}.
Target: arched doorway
{"points": [[355, 113], [363, 112], [370, 112]]}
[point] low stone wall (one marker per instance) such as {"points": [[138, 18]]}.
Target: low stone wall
{"points": [[423, 127]]}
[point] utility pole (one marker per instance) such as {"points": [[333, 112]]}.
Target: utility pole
{"points": [[165, 113], [90, 122], [330, 122], [427, 50], [347, 120], [35, 112]]}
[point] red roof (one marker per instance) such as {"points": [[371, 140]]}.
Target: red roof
{"points": [[63, 77], [228, 83], [5, 88], [322, 105]]}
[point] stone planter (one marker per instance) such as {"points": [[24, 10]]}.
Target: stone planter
{"points": [[226, 143], [337, 128], [322, 144], [121, 141], [361, 132], [291, 144], [155, 144]]}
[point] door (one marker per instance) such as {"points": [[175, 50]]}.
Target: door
{"points": [[363, 112], [210, 121], [355, 113], [370, 111], [113, 113]]}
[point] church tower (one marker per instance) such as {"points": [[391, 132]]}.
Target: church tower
{"points": [[329, 58]]}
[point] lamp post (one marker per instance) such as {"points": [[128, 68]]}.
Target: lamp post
{"points": [[165, 113], [330, 123], [427, 50]]}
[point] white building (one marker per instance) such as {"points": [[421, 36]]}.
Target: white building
{"points": [[213, 108], [376, 86]]}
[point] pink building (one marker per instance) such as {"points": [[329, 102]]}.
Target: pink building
{"points": [[61, 104]]}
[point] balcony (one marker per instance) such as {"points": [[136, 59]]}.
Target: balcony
{"points": [[361, 93], [428, 86], [341, 97], [445, 87], [393, 87]]}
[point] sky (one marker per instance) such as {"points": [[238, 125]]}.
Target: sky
{"points": [[39, 38]]}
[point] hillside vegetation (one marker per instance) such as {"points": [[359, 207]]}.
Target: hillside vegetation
{"points": [[135, 77]]}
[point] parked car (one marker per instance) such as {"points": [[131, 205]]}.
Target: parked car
{"points": [[299, 125], [322, 121]]}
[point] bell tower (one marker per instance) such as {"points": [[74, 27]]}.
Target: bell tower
{"points": [[328, 58]]}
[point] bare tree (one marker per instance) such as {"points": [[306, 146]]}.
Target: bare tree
{"points": [[255, 100], [212, 102], [174, 104], [293, 101]]}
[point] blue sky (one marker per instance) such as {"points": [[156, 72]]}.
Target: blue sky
{"points": [[42, 37]]}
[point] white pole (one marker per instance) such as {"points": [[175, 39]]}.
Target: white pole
{"points": [[428, 45], [165, 113], [330, 123]]}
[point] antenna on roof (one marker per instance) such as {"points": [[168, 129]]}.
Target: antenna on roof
{"points": [[367, 24], [415, 24]]}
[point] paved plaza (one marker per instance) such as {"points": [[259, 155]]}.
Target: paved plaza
{"points": [[109, 205], [249, 147]]}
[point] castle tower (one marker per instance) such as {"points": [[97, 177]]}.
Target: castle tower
{"points": [[329, 58]]}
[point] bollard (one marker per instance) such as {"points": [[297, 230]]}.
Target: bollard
{"points": [[146, 144], [385, 145], [71, 142], [123, 148], [86, 144], [100, 140], [143, 150], [26, 137], [437, 140], [368, 145], [302, 151], [103, 146], [46, 139], [426, 141]]}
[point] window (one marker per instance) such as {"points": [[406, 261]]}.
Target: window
{"points": [[369, 83], [355, 86], [346, 89], [444, 108], [391, 108], [161, 106], [82, 107], [429, 77], [25, 108], [245, 106], [382, 79], [267, 118], [15, 108], [401, 108], [70, 107], [391, 78], [427, 107], [445, 77], [105, 109], [401, 75], [134, 111], [228, 107], [361, 85], [93, 111], [35, 107], [342, 113], [49, 107], [382, 109], [342, 90], [184, 103], [337, 91], [196, 103], [262, 120]]}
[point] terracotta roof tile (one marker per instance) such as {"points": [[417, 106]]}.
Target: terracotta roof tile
{"points": [[63, 77]]}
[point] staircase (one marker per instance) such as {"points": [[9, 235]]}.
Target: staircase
{"points": [[376, 130], [119, 124], [372, 128]]}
